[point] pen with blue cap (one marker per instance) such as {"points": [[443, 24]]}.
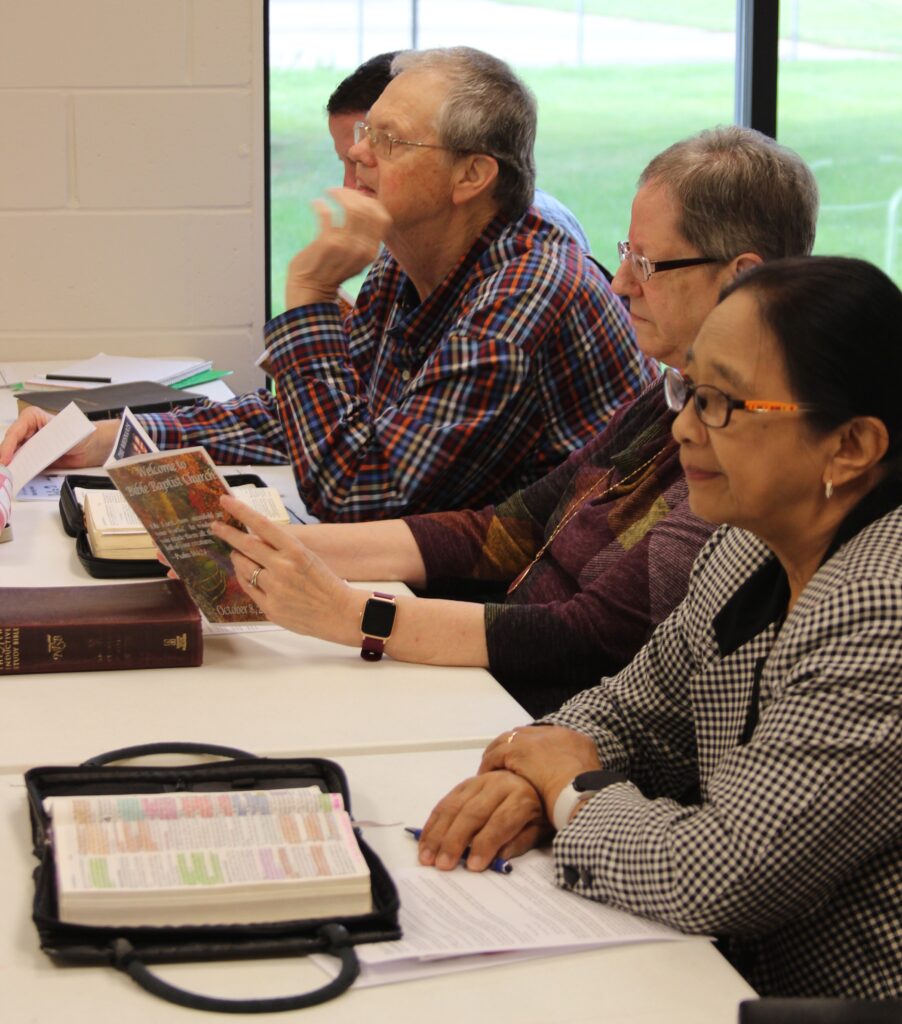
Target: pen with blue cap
{"points": [[499, 864]]}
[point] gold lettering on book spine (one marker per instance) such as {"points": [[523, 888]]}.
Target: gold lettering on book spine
{"points": [[56, 646], [180, 642], [9, 649]]}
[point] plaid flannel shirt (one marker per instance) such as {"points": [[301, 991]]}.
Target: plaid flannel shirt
{"points": [[792, 737], [516, 359]]}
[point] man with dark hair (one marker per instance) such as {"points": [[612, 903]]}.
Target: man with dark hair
{"points": [[483, 348], [350, 103], [360, 90]]}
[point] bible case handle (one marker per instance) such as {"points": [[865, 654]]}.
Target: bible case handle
{"points": [[337, 943], [174, 747]]}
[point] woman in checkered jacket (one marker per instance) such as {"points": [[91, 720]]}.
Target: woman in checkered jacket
{"points": [[743, 775]]}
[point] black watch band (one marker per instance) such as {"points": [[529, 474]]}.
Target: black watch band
{"points": [[581, 787]]}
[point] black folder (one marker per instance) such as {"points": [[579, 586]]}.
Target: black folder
{"points": [[108, 401]]}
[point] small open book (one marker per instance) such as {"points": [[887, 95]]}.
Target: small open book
{"points": [[235, 857], [114, 531]]}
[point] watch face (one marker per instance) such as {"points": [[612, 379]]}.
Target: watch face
{"points": [[378, 618]]}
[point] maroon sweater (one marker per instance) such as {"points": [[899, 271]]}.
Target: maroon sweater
{"points": [[615, 570]]}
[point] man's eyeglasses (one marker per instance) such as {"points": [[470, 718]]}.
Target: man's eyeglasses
{"points": [[384, 142], [713, 406], [643, 267]]}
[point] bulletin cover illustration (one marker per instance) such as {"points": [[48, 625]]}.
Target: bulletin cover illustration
{"points": [[176, 496]]}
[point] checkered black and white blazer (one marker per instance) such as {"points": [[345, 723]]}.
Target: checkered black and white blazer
{"points": [[764, 801]]}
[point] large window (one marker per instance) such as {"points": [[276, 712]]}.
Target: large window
{"points": [[840, 105], [613, 91]]}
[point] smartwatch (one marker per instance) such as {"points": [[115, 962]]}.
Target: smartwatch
{"points": [[376, 625], [583, 786]]}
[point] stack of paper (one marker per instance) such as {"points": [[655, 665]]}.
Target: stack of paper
{"points": [[104, 369], [459, 920]]}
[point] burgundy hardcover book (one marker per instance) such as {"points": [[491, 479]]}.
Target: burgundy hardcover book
{"points": [[82, 629]]}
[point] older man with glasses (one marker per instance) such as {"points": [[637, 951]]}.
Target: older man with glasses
{"points": [[352, 99], [484, 347]]}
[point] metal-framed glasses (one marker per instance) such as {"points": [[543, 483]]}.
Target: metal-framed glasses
{"points": [[643, 267], [713, 406], [384, 142]]}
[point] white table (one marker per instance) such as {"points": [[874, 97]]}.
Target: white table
{"points": [[674, 982], [270, 692]]}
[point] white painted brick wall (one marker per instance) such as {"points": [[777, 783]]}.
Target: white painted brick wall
{"points": [[131, 179]]}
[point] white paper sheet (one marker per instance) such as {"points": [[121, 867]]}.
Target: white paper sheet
{"points": [[63, 432], [461, 912], [42, 488], [460, 920], [411, 970]]}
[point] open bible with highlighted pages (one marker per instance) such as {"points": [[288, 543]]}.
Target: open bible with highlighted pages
{"points": [[235, 857]]}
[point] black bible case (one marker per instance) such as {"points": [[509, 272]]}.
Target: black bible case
{"points": [[132, 949]]}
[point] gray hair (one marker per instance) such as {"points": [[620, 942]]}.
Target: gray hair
{"points": [[488, 109], [739, 191]]}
